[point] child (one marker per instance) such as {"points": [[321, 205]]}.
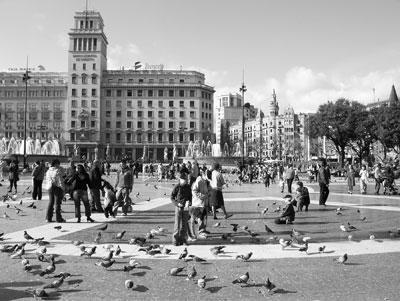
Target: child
{"points": [[302, 197], [109, 201], [282, 181], [288, 214], [181, 197]]}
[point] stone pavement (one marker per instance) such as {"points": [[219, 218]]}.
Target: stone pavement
{"points": [[370, 273]]}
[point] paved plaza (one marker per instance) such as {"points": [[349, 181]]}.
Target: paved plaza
{"points": [[370, 273]]}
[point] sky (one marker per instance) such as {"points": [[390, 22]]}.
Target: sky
{"points": [[309, 51]]}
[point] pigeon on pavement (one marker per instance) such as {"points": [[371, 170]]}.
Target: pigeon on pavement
{"points": [[242, 279]]}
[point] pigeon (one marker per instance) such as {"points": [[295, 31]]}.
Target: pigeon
{"points": [[363, 219], [268, 229], [27, 268], [120, 235], [108, 247], [38, 293], [244, 257], [296, 233], [108, 256], [18, 254], [196, 258], [137, 194], [217, 224], [265, 210], [321, 249], [245, 227], [306, 238], [358, 211], [339, 209], [161, 230], [153, 252], [24, 261], [252, 233], [175, 271], [138, 241], [342, 259], [103, 228], [269, 285], [90, 252], [128, 268], [6, 216], [183, 254], [304, 248], [129, 284], [117, 250], [217, 250], [148, 199], [27, 236], [273, 203], [191, 273], [17, 210], [242, 279], [106, 263], [343, 228], [201, 282], [234, 227], [31, 205], [372, 237], [62, 274], [58, 228], [97, 238], [55, 284], [339, 213], [350, 237], [49, 270], [133, 262], [149, 235], [351, 227], [224, 236], [155, 187], [284, 243]]}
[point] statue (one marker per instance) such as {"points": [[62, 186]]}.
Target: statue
{"points": [[165, 154], [174, 153]]}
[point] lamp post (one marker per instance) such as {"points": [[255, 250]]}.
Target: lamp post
{"points": [[243, 89], [25, 79]]}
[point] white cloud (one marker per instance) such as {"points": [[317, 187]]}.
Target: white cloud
{"points": [[122, 56]]}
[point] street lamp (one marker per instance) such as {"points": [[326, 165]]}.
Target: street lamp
{"points": [[25, 79], [243, 89]]}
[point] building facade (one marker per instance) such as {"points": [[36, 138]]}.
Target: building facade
{"points": [[140, 112]]}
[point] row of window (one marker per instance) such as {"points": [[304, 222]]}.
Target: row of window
{"points": [[32, 116], [161, 114], [33, 135], [83, 44], [84, 66], [42, 126], [32, 93], [84, 92], [141, 138], [156, 93], [151, 103], [34, 80], [84, 80], [32, 106]]}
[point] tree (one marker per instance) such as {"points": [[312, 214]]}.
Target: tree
{"points": [[335, 121]]}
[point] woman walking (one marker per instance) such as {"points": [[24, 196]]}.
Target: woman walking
{"points": [[363, 179], [81, 183], [351, 181], [13, 176], [217, 198], [55, 187]]}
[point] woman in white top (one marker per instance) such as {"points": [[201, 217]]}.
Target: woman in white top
{"points": [[217, 198], [363, 179]]}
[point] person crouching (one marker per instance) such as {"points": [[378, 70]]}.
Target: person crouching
{"points": [[288, 214]]}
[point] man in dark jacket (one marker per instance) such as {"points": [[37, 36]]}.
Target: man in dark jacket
{"points": [[38, 172], [95, 178], [123, 186], [323, 180]]}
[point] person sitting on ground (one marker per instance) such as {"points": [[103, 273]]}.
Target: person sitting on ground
{"points": [[302, 197], [288, 214]]}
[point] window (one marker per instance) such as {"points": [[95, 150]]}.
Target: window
{"points": [[73, 92], [108, 113], [160, 124], [139, 137], [118, 114], [170, 137], [119, 93], [84, 66], [74, 66], [83, 123], [129, 103], [160, 114], [84, 79], [181, 93], [160, 93], [150, 114], [150, 124], [160, 103], [94, 103], [129, 124], [119, 103], [72, 136], [45, 115], [129, 93], [171, 93], [171, 80], [150, 103], [108, 93], [129, 114], [141, 80], [191, 93], [94, 92], [93, 123], [181, 103], [74, 80], [84, 92], [94, 64], [192, 104], [57, 115], [181, 114], [192, 125], [83, 103], [150, 93], [118, 124], [73, 103], [140, 93], [118, 137], [140, 103], [73, 123], [149, 137], [93, 113], [171, 103], [171, 124], [108, 103], [160, 137], [151, 81], [108, 124], [181, 81], [139, 124], [192, 115], [171, 114], [140, 114], [129, 138]]}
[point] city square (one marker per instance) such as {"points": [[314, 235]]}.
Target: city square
{"points": [[368, 273]]}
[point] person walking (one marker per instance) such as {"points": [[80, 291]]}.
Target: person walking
{"points": [[181, 197], [55, 187], [123, 187], [96, 185], [290, 177], [81, 183], [323, 180], [13, 176], [378, 176], [363, 179], [351, 179], [217, 198], [38, 173]]}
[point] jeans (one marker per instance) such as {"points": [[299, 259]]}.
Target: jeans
{"points": [[95, 203], [323, 193], [37, 189], [181, 225], [13, 183], [123, 200], [289, 185], [78, 196], [197, 214], [377, 186], [56, 195]]}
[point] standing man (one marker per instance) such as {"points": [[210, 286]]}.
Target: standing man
{"points": [[250, 173], [38, 173], [290, 177], [323, 180], [378, 178], [123, 186], [95, 177]]}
